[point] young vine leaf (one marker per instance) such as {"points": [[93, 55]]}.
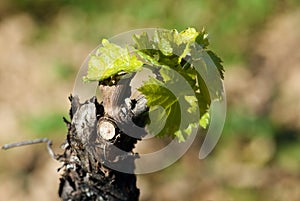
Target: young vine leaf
{"points": [[183, 66], [109, 60]]}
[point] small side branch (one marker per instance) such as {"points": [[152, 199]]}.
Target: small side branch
{"points": [[31, 142]]}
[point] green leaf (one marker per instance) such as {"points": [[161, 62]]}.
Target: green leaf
{"points": [[181, 59], [217, 61], [204, 121], [188, 77], [109, 60], [202, 39], [163, 41], [158, 95], [186, 36], [179, 102]]}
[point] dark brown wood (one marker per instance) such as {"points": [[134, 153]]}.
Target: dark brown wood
{"points": [[92, 164]]}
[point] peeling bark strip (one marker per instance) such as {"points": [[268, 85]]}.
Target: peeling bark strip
{"points": [[88, 148]]}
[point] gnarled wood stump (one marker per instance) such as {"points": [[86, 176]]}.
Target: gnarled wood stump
{"points": [[98, 146]]}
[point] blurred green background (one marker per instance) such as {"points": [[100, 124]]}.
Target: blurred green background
{"points": [[44, 42]]}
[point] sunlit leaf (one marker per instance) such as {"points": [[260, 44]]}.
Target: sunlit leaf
{"points": [[188, 77], [109, 60]]}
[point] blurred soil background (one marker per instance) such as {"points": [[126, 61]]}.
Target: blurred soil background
{"points": [[44, 42]]}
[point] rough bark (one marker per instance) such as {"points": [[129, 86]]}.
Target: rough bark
{"points": [[98, 143]]}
